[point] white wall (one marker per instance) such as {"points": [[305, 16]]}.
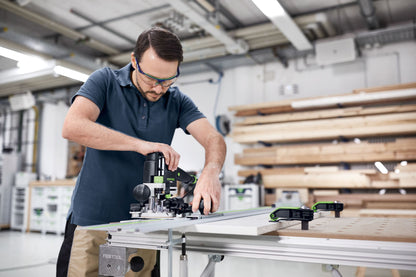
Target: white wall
{"points": [[391, 64]]}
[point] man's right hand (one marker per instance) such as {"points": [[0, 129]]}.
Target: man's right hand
{"points": [[171, 156]]}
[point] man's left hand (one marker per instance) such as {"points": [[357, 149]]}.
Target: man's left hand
{"points": [[208, 188]]}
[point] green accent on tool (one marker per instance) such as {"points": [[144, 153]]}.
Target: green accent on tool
{"points": [[158, 179]]}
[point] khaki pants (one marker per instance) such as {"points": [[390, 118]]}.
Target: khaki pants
{"points": [[85, 250]]}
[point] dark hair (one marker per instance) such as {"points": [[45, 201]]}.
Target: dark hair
{"points": [[165, 43]]}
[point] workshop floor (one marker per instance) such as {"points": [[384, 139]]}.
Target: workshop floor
{"points": [[34, 254], [28, 254]]}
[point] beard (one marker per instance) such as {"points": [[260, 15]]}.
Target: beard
{"points": [[150, 95]]}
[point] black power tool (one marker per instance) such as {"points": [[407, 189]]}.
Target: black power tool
{"points": [[154, 196]]}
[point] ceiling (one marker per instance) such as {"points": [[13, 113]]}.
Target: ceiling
{"points": [[216, 34]]}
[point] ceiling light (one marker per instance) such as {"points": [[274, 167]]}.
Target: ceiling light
{"points": [[11, 54], [70, 73], [380, 166], [279, 17], [25, 62]]}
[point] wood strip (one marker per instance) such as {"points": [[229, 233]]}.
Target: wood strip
{"points": [[322, 114], [384, 88], [287, 105], [351, 122], [61, 182], [401, 149], [326, 134], [272, 178]]}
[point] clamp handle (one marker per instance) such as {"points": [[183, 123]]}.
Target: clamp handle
{"points": [[335, 206], [293, 213]]}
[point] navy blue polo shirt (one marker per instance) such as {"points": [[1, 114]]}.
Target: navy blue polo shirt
{"points": [[103, 192]]}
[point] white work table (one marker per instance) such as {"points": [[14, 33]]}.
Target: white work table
{"points": [[367, 242]]}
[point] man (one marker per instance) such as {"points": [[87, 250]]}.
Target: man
{"points": [[121, 116]]}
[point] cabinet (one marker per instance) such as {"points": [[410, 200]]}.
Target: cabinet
{"points": [[8, 166], [20, 201], [49, 204]]}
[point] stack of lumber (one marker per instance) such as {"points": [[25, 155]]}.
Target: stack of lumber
{"points": [[332, 178], [324, 153], [300, 141]]}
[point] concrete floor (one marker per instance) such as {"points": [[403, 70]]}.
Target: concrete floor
{"points": [[28, 254], [34, 254]]}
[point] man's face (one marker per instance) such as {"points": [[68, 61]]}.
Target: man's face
{"points": [[152, 75]]}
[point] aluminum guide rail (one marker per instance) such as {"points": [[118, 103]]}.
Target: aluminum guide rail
{"points": [[378, 254]]}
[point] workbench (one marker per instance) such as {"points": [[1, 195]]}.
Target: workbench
{"points": [[366, 242]]}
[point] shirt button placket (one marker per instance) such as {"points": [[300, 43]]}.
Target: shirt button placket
{"points": [[143, 120]]}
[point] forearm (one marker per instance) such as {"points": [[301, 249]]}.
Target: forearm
{"points": [[215, 151], [97, 136]]}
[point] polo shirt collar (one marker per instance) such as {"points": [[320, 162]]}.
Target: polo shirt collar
{"points": [[123, 75]]}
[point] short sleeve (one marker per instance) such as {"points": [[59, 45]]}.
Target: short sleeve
{"points": [[95, 88], [189, 112]]}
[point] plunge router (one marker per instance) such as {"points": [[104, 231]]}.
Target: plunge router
{"points": [[154, 196]]}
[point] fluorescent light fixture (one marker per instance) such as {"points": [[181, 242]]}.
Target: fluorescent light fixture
{"points": [[11, 54], [279, 17], [25, 62], [271, 8], [70, 73], [380, 166]]}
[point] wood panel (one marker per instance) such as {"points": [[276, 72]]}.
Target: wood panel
{"points": [[364, 199], [60, 182], [363, 126], [286, 178], [322, 153], [323, 114], [360, 97]]}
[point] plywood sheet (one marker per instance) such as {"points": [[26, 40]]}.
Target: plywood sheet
{"points": [[251, 225]]}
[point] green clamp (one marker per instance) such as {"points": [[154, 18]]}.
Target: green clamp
{"points": [[335, 206], [293, 213]]}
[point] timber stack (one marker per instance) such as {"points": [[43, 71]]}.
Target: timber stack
{"points": [[329, 145]]}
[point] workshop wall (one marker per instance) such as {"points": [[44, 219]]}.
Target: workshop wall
{"points": [[387, 65]]}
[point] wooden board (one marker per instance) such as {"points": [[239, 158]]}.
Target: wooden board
{"points": [[368, 228], [362, 199], [276, 178], [362, 126], [61, 182], [288, 105], [385, 88], [322, 114], [322, 153], [252, 225]]}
